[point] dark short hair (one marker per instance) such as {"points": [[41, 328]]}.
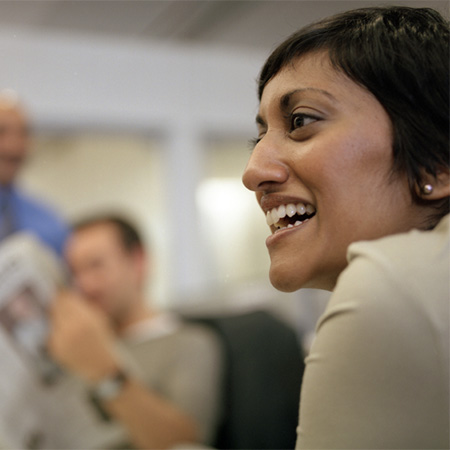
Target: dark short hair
{"points": [[400, 55], [128, 234]]}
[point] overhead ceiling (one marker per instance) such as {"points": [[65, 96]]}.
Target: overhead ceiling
{"points": [[243, 23]]}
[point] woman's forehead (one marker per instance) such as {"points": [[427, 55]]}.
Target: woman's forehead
{"points": [[312, 75], [313, 70]]}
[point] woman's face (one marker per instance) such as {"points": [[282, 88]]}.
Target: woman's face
{"points": [[321, 170]]}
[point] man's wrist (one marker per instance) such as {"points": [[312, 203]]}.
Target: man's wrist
{"points": [[110, 386]]}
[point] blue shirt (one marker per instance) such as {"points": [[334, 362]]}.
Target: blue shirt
{"points": [[37, 218]]}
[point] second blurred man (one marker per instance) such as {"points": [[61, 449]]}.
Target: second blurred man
{"points": [[171, 393]]}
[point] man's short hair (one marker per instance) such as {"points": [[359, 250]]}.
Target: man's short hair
{"points": [[128, 234]]}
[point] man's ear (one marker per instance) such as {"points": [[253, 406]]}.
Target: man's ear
{"points": [[435, 187], [141, 262]]}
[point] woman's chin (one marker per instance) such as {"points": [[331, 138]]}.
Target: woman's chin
{"points": [[285, 282], [291, 281]]}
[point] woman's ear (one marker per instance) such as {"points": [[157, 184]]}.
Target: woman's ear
{"points": [[435, 187]]}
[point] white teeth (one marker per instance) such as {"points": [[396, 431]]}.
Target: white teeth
{"points": [[301, 209], [274, 216], [296, 224], [291, 209]]}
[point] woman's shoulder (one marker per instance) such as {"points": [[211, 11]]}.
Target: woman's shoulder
{"points": [[415, 252], [399, 275]]}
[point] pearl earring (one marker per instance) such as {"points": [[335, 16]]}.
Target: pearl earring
{"points": [[427, 189]]}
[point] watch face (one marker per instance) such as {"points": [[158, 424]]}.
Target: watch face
{"points": [[110, 387]]}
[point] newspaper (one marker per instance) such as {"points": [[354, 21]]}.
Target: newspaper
{"points": [[41, 406]]}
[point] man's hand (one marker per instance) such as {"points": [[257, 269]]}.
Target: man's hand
{"points": [[81, 339]]}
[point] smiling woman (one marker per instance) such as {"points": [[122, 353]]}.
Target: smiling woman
{"points": [[336, 159], [351, 168]]}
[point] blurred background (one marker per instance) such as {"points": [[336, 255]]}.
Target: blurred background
{"points": [[147, 107]]}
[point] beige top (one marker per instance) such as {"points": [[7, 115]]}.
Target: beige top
{"points": [[184, 363], [378, 373]]}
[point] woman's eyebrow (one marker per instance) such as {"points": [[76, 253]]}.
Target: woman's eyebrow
{"points": [[286, 99]]}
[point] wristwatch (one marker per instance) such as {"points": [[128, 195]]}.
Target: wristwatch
{"points": [[109, 387]]}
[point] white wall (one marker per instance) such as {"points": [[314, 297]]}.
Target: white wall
{"points": [[84, 81]]}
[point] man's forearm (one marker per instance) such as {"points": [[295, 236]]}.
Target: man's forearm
{"points": [[151, 421]]}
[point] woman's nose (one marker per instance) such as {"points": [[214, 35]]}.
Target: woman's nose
{"points": [[264, 168]]}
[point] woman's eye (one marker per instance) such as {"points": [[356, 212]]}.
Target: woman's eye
{"points": [[300, 120], [252, 143]]}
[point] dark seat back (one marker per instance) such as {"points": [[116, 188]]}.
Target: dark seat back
{"points": [[264, 369]]}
